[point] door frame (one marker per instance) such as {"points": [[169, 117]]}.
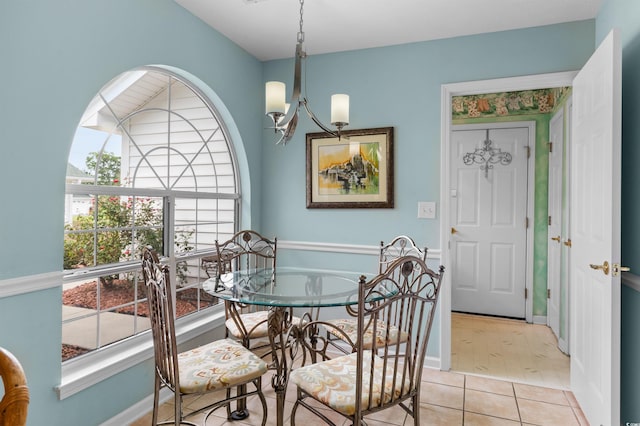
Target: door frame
{"points": [[530, 82], [531, 134]]}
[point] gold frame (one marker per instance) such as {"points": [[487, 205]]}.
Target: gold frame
{"points": [[343, 180]]}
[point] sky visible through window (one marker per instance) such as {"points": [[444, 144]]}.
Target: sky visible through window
{"points": [[89, 140]]}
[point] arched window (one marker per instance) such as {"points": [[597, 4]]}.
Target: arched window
{"points": [[150, 164]]}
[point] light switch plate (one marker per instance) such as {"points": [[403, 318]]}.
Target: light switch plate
{"points": [[426, 209]]}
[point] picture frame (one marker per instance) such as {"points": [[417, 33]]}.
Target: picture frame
{"points": [[353, 171]]}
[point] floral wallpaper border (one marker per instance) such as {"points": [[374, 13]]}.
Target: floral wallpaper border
{"points": [[540, 101]]}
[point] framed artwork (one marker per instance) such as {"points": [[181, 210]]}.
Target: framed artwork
{"points": [[355, 171]]}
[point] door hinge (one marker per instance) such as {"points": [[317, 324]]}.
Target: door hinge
{"points": [[528, 151], [526, 223], [526, 293], [550, 146], [549, 220], [548, 293]]}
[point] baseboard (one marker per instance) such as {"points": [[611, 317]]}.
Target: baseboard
{"points": [[137, 410], [540, 319], [563, 345], [432, 362]]}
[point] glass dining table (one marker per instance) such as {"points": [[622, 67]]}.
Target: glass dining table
{"points": [[280, 290]]}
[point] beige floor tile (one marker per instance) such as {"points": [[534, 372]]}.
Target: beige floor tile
{"points": [[473, 419], [571, 398], [537, 393], [491, 404], [489, 385], [443, 395], [443, 377], [545, 414], [434, 415], [582, 420]]}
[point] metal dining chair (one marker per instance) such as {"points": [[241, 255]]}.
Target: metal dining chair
{"points": [[246, 250], [223, 364], [341, 331], [389, 372]]}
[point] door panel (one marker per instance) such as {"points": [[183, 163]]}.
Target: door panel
{"points": [[489, 205], [595, 234]]}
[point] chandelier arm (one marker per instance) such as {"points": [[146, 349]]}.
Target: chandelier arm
{"points": [[315, 119], [294, 107]]}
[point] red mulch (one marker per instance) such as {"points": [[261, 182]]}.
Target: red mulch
{"points": [[120, 292]]}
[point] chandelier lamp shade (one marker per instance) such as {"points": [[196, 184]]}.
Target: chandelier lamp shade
{"points": [[285, 118]]}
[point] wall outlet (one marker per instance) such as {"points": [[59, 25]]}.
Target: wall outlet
{"points": [[427, 210]]}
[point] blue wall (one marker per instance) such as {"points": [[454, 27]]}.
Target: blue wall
{"points": [[399, 86], [54, 57], [625, 15]]}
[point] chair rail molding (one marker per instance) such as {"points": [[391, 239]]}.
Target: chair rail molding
{"points": [[341, 248], [631, 280], [30, 283]]}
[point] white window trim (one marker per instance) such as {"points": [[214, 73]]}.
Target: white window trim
{"points": [[83, 372]]}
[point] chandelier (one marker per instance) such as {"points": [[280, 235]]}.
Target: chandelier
{"points": [[285, 119]]}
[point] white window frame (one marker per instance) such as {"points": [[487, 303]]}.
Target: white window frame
{"points": [[86, 370]]}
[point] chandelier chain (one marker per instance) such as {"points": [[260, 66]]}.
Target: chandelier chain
{"points": [[300, 32]]}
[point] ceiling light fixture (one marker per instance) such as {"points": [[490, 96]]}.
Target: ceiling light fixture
{"points": [[285, 119]]}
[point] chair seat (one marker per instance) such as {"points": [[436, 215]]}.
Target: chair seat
{"points": [[333, 382], [255, 323], [218, 365], [350, 327]]}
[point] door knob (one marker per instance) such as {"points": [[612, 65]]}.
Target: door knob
{"points": [[453, 230], [556, 239], [604, 267], [616, 269], [568, 243]]}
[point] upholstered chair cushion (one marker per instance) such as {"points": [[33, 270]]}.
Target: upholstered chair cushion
{"points": [[218, 365], [333, 382], [255, 323], [350, 327]]}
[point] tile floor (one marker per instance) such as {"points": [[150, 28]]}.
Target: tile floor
{"points": [[448, 399], [507, 349]]}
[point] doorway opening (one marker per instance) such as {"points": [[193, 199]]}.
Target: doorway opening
{"points": [[448, 93]]}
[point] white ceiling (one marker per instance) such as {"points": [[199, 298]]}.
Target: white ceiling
{"points": [[268, 28]]}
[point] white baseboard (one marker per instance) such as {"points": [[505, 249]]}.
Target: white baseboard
{"points": [[540, 319], [138, 410]]}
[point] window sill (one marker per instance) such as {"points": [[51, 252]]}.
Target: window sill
{"points": [[86, 371]]}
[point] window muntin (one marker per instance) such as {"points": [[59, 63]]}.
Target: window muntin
{"points": [[174, 187]]}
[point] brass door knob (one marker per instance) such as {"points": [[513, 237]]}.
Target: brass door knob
{"points": [[604, 267], [556, 239], [453, 230], [568, 243]]}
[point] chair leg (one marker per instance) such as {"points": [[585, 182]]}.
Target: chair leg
{"points": [[156, 397], [415, 409]]}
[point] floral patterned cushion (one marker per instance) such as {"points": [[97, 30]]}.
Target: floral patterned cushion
{"points": [[218, 365], [350, 327], [250, 321], [333, 382]]}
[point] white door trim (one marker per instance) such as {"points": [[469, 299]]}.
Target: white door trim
{"points": [[540, 81]]}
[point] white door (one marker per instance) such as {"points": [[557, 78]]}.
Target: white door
{"points": [[554, 232], [595, 234], [488, 219]]}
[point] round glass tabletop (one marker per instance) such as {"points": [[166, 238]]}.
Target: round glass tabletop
{"points": [[287, 287]]}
